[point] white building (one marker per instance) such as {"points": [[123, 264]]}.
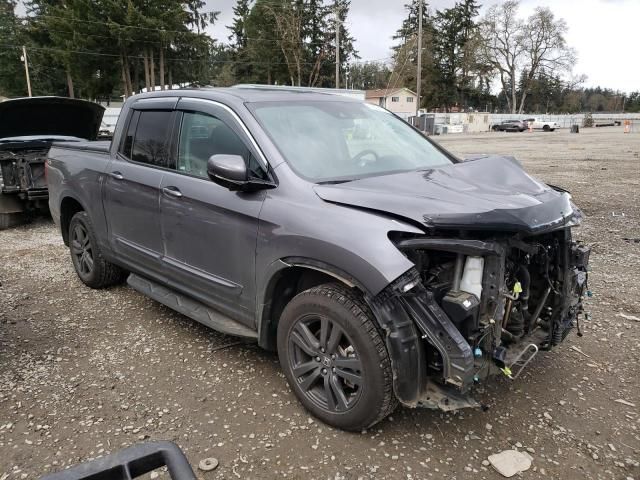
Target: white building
{"points": [[400, 101]]}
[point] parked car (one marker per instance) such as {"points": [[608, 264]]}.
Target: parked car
{"points": [[545, 125], [28, 126], [379, 266], [509, 126]]}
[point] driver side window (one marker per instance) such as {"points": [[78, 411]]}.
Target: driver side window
{"points": [[202, 136]]}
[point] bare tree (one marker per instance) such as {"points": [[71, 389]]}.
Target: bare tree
{"points": [[519, 49], [545, 48], [288, 21], [504, 47]]}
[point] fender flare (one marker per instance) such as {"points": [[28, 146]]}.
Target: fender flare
{"points": [[67, 193]]}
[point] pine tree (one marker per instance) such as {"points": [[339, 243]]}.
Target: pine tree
{"points": [[405, 56], [12, 79]]}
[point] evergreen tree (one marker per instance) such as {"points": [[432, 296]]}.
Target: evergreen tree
{"points": [[405, 56], [454, 53], [12, 78]]}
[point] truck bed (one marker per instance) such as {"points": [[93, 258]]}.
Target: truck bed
{"points": [[99, 146]]}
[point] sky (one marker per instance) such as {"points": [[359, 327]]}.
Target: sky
{"points": [[603, 32]]}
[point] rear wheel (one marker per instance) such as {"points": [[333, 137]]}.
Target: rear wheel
{"points": [[335, 359], [90, 265]]}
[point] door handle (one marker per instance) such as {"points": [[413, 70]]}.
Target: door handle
{"points": [[117, 175], [172, 191]]}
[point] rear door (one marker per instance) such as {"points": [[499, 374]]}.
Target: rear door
{"points": [[132, 185], [210, 232]]}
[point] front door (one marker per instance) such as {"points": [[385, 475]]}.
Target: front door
{"points": [[209, 231], [132, 186]]}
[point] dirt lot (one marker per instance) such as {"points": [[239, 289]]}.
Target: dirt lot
{"points": [[86, 372]]}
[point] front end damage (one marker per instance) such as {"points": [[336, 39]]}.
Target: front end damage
{"points": [[478, 304]]}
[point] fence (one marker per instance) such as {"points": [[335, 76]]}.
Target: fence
{"points": [[482, 122]]}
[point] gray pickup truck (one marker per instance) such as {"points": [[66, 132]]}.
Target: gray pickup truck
{"points": [[378, 265]]}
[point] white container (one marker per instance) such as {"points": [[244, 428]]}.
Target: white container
{"points": [[472, 276]]}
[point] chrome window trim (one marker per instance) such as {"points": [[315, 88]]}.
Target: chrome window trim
{"points": [[263, 158]]}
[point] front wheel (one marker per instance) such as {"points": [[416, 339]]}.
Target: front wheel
{"points": [[546, 128], [90, 265], [335, 359]]}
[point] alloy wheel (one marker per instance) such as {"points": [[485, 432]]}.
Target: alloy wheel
{"points": [[325, 363], [81, 249]]}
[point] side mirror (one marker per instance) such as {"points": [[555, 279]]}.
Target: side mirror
{"points": [[230, 171]]}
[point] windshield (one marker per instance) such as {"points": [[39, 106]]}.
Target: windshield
{"points": [[325, 141]]}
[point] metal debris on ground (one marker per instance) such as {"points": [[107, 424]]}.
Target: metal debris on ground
{"points": [[208, 464], [628, 317], [510, 462], [625, 402]]}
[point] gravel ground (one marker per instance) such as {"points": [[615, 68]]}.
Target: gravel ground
{"points": [[85, 372]]}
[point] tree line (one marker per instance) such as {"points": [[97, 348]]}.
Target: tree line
{"points": [[103, 48], [110, 48]]}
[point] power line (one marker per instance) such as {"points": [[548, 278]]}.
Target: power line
{"points": [[113, 55], [255, 39]]}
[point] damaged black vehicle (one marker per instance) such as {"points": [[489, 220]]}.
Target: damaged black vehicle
{"points": [[380, 267], [28, 126]]}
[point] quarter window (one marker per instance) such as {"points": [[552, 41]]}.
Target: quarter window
{"points": [[131, 132], [151, 140]]}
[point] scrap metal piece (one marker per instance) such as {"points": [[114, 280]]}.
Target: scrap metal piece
{"points": [[208, 464], [522, 360], [445, 399]]}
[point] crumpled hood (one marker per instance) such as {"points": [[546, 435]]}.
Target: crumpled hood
{"points": [[486, 193], [46, 116]]}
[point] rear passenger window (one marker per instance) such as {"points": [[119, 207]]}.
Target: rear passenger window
{"points": [[202, 136], [150, 142]]}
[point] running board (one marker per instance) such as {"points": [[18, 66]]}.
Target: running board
{"points": [[190, 307]]}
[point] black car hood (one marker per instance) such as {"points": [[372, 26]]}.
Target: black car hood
{"points": [[485, 193], [46, 116]]}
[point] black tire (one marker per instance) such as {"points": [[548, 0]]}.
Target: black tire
{"points": [[546, 128], [335, 359], [495, 128], [90, 265]]}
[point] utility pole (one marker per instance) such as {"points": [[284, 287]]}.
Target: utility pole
{"points": [[26, 68], [419, 75], [337, 46]]}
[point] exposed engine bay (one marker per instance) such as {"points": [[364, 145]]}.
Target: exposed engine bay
{"points": [[486, 303], [23, 182], [22, 166]]}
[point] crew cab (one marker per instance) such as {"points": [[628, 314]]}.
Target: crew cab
{"points": [[379, 266], [28, 126]]}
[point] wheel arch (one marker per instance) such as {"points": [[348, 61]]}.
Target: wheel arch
{"points": [[288, 277], [69, 206]]}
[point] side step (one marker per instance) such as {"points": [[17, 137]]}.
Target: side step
{"points": [[190, 307]]}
